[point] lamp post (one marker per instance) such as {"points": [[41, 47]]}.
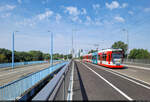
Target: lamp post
{"points": [[72, 45], [51, 53], [13, 45], [73, 51]]}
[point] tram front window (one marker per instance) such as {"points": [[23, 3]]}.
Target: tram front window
{"points": [[116, 56]]}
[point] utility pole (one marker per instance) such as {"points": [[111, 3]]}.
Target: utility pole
{"points": [[51, 49], [51, 53], [13, 48], [72, 45], [73, 31]]}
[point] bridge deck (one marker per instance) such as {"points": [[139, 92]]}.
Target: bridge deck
{"points": [[8, 75], [92, 82]]}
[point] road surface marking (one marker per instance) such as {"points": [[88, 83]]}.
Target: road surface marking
{"points": [[70, 94], [126, 96], [126, 78]]}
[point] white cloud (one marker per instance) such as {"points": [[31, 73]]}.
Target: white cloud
{"points": [[45, 15], [124, 5], [119, 19], [74, 13], [76, 19], [32, 21], [72, 10], [88, 20], [19, 1], [147, 9], [7, 7], [58, 18], [5, 15], [96, 6], [97, 22], [44, 1], [27, 22], [130, 12], [83, 11], [113, 5]]}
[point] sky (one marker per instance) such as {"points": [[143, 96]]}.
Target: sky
{"points": [[91, 22]]}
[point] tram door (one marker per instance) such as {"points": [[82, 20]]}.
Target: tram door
{"points": [[100, 58]]}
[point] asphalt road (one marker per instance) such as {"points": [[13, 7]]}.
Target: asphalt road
{"points": [[136, 72], [10, 75], [93, 82]]}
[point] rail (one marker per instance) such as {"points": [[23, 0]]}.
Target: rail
{"points": [[51, 89], [21, 63], [16, 88], [142, 61]]}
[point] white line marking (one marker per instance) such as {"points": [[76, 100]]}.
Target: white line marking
{"points": [[113, 72], [122, 74], [138, 67], [126, 96], [70, 93], [72, 82]]}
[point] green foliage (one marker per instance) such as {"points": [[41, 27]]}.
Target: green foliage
{"points": [[36, 55], [2, 58], [58, 56], [120, 45], [139, 54], [92, 51], [46, 56], [6, 56]]}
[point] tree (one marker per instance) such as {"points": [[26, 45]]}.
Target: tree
{"points": [[2, 58], [36, 55], [120, 45], [139, 54], [46, 56], [92, 51], [7, 54]]}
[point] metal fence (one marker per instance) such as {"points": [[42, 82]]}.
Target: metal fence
{"points": [[57, 88], [142, 61], [14, 89], [21, 63]]}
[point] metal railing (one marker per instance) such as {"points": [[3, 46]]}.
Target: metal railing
{"points": [[21, 63], [142, 61], [15, 89], [50, 91]]}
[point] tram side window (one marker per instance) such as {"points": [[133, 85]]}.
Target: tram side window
{"points": [[94, 57], [104, 57], [99, 57]]}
